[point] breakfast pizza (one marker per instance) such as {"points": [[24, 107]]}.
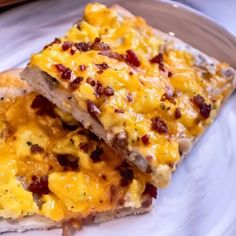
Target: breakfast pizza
{"points": [[55, 173], [148, 95]]}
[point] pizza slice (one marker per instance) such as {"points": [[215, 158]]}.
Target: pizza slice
{"points": [[148, 95], [54, 172]]}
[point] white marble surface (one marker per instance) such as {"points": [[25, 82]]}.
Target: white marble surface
{"points": [[201, 199]]}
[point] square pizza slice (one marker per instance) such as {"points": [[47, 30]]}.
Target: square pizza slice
{"points": [[54, 172], [149, 96]]}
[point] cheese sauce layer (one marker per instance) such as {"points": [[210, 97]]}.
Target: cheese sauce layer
{"points": [[52, 167], [135, 83]]}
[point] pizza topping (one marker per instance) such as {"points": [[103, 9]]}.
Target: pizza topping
{"points": [[82, 67], [113, 55], [108, 91], [99, 46], [35, 148], [126, 173], [204, 108], [68, 161], [55, 41], [98, 89], [66, 45], [93, 109], [178, 114], [39, 185], [159, 125], [151, 190], [158, 59], [169, 95], [130, 97], [83, 47], [119, 111], [44, 106], [76, 82], [145, 139], [132, 59], [64, 71], [96, 154]]}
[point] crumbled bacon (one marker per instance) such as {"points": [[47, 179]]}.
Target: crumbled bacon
{"points": [[100, 46], [108, 91], [35, 148], [113, 55], [64, 71], [82, 67], [132, 59], [66, 45], [158, 59], [169, 74], [151, 190], [44, 106], [39, 185], [103, 66], [91, 81], [145, 139], [130, 97], [76, 82], [119, 111], [68, 161], [126, 173], [98, 89], [168, 95], [159, 125], [205, 109], [83, 46], [72, 51], [96, 155], [178, 114], [84, 146], [93, 109], [55, 41]]}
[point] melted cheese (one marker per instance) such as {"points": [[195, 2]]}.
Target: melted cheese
{"points": [[72, 193], [146, 83]]}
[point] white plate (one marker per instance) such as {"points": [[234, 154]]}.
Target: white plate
{"points": [[201, 199]]}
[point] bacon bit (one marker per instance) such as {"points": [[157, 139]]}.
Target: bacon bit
{"points": [[113, 55], [119, 111], [102, 67], [44, 106], [35, 148], [158, 59], [98, 89], [85, 147], [39, 185], [93, 109], [76, 82], [66, 45], [178, 114], [55, 41], [145, 139], [104, 177], [96, 155], [91, 81], [132, 59], [72, 51], [68, 161], [126, 173], [64, 71], [83, 46], [168, 95], [99, 46], [205, 109], [159, 125], [130, 97], [82, 67], [169, 74], [108, 91], [150, 190], [120, 139]]}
